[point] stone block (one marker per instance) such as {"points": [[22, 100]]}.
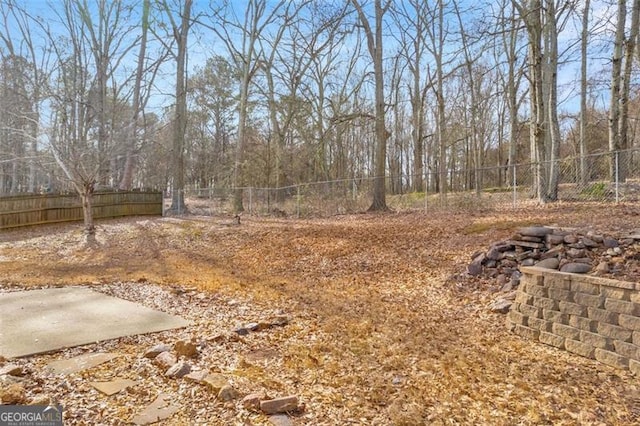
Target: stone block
{"points": [[583, 323], [584, 287], [545, 303], [628, 350], [630, 322], [552, 339], [595, 301], [572, 308], [579, 348], [615, 293], [621, 307], [595, 340], [634, 296], [279, 405], [555, 316], [565, 331], [539, 324], [559, 283], [517, 317], [602, 315], [559, 294], [526, 332], [523, 298], [615, 332], [536, 290], [611, 358], [634, 366], [531, 311]]}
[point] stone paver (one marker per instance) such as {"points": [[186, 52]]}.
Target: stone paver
{"points": [[80, 363], [112, 387], [158, 410]]}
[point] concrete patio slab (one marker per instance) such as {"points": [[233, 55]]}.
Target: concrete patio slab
{"points": [[39, 321]]}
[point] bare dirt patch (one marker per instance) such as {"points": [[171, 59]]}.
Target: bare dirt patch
{"points": [[378, 334]]}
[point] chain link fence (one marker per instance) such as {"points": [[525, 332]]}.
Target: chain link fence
{"points": [[603, 177]]}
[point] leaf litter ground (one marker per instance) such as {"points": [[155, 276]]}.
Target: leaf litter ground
{"points": [[380, 333]]}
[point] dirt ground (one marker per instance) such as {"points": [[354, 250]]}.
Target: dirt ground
{"points": [[379, 334]]}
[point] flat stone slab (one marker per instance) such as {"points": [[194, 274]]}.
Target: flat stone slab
{"points": [[80, 362], [112, 387], [39, 321], [158, 410]]}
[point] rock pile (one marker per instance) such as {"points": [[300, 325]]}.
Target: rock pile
{"points": [[567, 250]]}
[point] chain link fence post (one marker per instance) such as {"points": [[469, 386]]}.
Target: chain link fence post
{"points": [[617, 183], [515, 186]]}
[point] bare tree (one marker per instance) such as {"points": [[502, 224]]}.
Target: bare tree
{"points": [[584, 176], [180, 32], [625, 88], [374, 43], [248, 58]]}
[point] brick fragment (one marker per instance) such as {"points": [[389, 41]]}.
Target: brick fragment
{"points": [[611, 358]]}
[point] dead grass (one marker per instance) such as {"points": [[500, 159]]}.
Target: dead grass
{"points": [[379, 337]]}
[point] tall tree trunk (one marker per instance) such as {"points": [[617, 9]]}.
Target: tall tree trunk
{"points": [[625, 88], [584, 172], [180, 119], [374, 43], [616, 71], [551, 30], [129, 163]]}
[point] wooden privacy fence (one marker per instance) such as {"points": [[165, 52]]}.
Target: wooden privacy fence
{"points": [[26, 210]]}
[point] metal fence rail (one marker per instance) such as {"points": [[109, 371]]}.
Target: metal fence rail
{"points": [[603, 177], [26, 210]]}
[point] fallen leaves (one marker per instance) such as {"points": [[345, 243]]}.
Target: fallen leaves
{"points": [[375, 334]]}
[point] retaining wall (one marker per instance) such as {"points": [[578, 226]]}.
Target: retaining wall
{"points": [[590, 316]]}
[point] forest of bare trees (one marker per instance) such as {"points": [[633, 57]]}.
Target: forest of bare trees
{"points": [[415, 95]]}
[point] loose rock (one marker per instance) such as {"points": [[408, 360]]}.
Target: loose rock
{"points": [[576, 268], [166, 360], [279, 405], [185, 349], [227, 393], [153, 352], [178, 370]]}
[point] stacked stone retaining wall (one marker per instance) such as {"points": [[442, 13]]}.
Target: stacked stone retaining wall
{"points": [[593, 317]]}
